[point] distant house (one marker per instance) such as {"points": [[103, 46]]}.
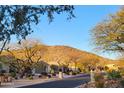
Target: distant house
{"points": [[41, 67], [4, 67]]}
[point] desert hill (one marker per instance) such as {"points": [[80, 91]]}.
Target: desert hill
{"points": [[65, 54]]}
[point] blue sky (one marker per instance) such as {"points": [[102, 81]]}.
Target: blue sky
{"points": [[75, 32]]}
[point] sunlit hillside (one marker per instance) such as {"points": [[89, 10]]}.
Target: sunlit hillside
{"points": [[65, 54]]}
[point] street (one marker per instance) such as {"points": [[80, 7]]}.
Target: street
{"points": [[64, 83]]}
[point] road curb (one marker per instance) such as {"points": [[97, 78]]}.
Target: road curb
{"points": [[36, 83]]}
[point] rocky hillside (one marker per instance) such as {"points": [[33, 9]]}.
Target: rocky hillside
{"points": [[65, 54]]}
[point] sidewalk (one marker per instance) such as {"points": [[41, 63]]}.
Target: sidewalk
{"points": [[25, 82], [73, 76]]}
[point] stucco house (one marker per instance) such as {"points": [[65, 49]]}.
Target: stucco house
{"points": [[41, 67], [4, 67]]}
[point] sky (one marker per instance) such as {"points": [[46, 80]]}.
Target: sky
{"points": [[75, 32]]}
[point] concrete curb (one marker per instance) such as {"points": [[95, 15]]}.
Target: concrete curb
{"points": [[12, 85], [57, 80], [36, 83]]}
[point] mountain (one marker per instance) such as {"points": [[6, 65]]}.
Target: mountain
{"points": [[62, 55]]}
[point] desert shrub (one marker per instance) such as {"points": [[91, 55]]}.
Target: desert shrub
{"points": [[98, 77], [99, 84], [70, 73], [99, 80], [13, 74], [53, 74], [52, 71], [121, 71], [30, 77], [67, 73], [39, 76], [44, 73], [114, 74], [74, 73], [106, 68], [122, 82], [48, 76]]}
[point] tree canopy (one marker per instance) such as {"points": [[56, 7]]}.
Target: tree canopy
{"points": [[18, 19], [108, 35]]}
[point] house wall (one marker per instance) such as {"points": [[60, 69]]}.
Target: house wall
{"points": [[4, 67], [41, 67]]}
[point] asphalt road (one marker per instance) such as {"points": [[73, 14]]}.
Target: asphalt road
{"points": [[65, 83]]}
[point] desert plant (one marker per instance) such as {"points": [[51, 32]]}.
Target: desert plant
{"points": [[114, 74], [98, 77], [122, 82], [99, 80], [13, 74], [99, 84], [30, 77], [74, 73]]}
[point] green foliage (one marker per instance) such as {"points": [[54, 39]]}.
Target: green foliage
{"points": [[114, 74], [108, 35], [0, 66], [13, 74], [30, 77], [98, 77], [99, 84], [52, 71], [74, 73], [18, 19], [99, 80], [122, 82]]}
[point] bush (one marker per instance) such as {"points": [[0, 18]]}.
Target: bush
{"points": [[74, 73], [99, 80], [39, 76], [53, 74], [122, 82], [98, 77], [52, 71], [114, 75], [48, 76], [44, 73], [67, 73], [99, 84], [13, 74], [30, 77]]}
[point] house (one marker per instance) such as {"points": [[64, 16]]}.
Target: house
{"points": [[41, 67], [4, 67]]}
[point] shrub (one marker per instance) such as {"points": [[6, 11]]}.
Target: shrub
{"points": [[74, 73], [99, 84], [70, 73], [40, 76], [53, 74], [48, 76], [122, 82], [98, 77], [114, 74], [44, 73], [99, 80], [13, 74], [30, 77], [67, 73]]}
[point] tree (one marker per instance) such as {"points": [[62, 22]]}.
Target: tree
{"points": [[87, 63], [74, 59], [33, 51], [27, 54], [18, 19], [109, 34]]}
